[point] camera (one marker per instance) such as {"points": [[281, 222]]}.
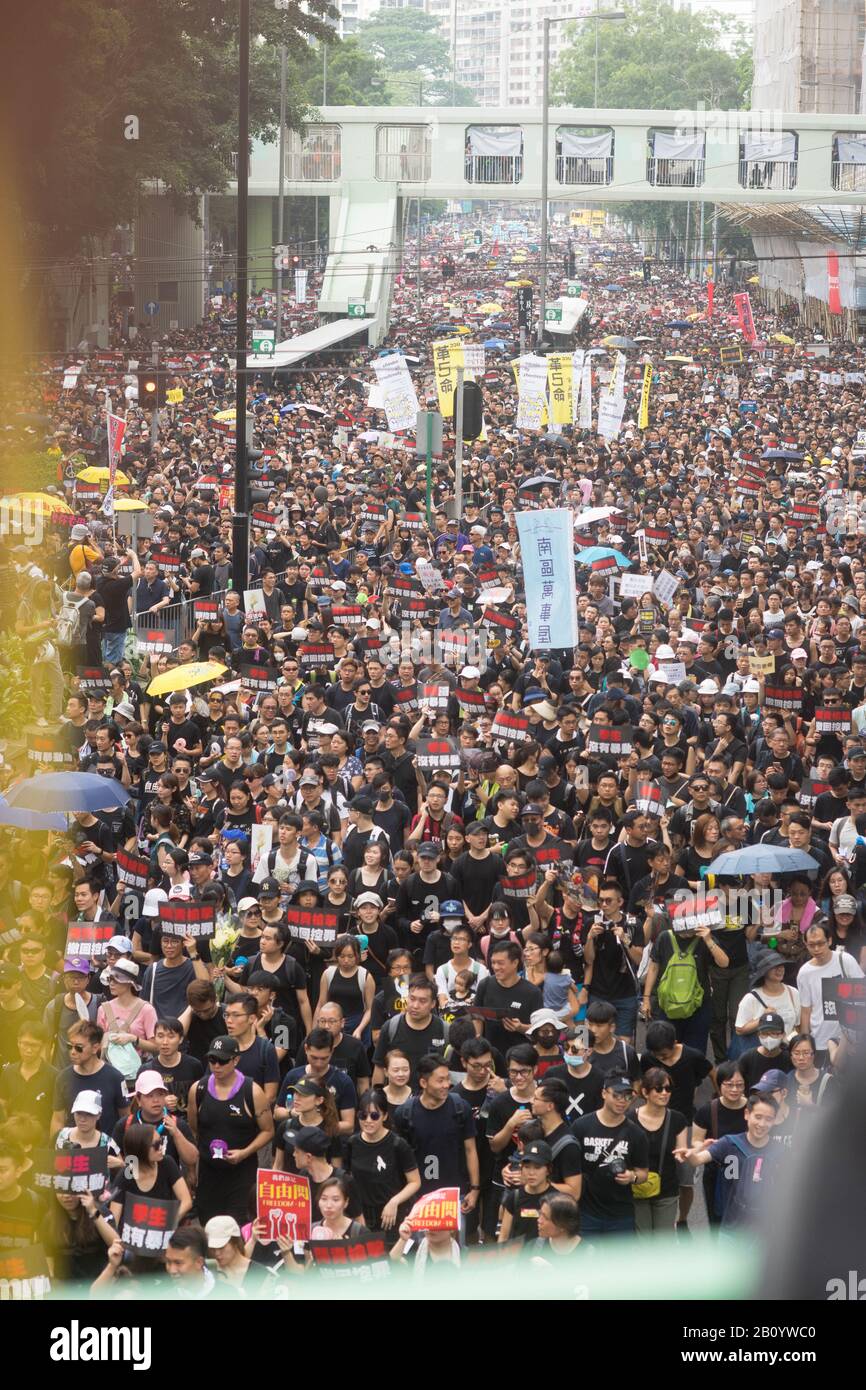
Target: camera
{"points": [[616, 1167]]}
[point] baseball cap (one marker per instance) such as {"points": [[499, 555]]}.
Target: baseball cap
{"points": [[538, 1152], [531, 809], [220, 1230], [246, 903], [471, 673], [196, 860], [149, 1081], [8, 975], [798, 654], [306, 1086], [155, 749], [541, 1017], [87, 1102], [222, 1049], [270, 888], [309, 1138], [368, 899], [427, 850], [122, 944], [370, 726], [775, 634], [362, 804], [772, 1021], [309, 779], [76, 965], [478, 827], [619, 1084], [772, 1080], [845, 903]]}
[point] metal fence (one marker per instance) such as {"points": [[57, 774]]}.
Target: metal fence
{"points": [[575, 169], [674, 173], [775, 175]]}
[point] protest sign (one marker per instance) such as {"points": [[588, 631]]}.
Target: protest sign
{"points": [[283, 1205]]}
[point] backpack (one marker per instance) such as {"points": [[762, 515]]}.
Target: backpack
{"points": [[123, 1056], [301, 871], [69, 633], [680, 992]]}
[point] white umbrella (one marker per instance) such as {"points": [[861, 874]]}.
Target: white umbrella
{"points": [[595, 514]]}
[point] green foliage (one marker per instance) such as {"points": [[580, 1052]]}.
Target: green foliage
{"points": [[355, 77], [82, 67], [657, 57], [14, 687], [25, 471], [406, 41]]}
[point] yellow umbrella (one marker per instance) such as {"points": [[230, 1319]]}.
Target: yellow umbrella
{"points": [[676, 358], [129, 504], [40, 501], [516, 284], [100, 475], [783, 338], [462, 329], [490, 308], [754, 280], [182, 677]]}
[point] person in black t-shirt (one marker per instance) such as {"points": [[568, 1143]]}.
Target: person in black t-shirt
{"points": [[581, 1079], [383, 1168], [514, 999], [178, 1069], [520, 1205], [417, 1032], [614, 1154], [687, 1068]]}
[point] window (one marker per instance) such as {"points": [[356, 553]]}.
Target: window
{"points": [[315, 155]]}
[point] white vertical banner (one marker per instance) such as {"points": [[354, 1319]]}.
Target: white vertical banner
{"points": [[300, 287], [617, 380], [577, 361], [399, 399], [547, 558], [585, 415], [532, 392], [610, 412]]}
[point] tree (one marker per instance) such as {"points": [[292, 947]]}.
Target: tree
{"points": [[106, 95], [656, 58], [407, 41], [355, 77]]}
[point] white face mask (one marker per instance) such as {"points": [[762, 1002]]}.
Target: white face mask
{"points": [[573, 1059], [770, 1041]]}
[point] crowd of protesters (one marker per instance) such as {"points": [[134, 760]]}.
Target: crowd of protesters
{"points": [[508, 1003]]}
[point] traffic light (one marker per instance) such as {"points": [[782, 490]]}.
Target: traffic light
{"points": [[151, 390], [473, 410]]}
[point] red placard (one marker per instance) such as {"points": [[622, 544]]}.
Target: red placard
{"points": [[283, 1205], [437, 1211]]}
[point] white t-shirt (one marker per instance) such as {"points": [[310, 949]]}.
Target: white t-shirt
{"points": [[756, 1002], [446, 975], [809, 978]]}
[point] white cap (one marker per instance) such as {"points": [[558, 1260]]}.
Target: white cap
{"points": [[751, 687], [152, 899], [88, 1103], [470, 672], [180, 890], [374, 624], [708, 687], [665, 653], [219, 1231], [798, 654]]}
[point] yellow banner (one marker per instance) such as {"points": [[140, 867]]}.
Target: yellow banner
{"points": [[643, 417], [582, 218], [174, 397], [559, 387], [447, 357]]}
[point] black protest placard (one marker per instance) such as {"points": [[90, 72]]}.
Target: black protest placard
{"points": [[206, 610], [348, 615], [471, 700], [406, 698], [154, 639], [437, 754], [257, 677], [24, 1273], [695, 910], [132, 869], [93, 680], [809, 792], [413, 521], [76, 1171], [178, 918], [783, 697], [166, 563], [434, 696], [316, 655], [49, 749], [315, 924], [147, 1224], [510, 728], [501, 623], [849, 997], [616, 739], [649, 799], [89, 939], [519, 885], [834, 720]]}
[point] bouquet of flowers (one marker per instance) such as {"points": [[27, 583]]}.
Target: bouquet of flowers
{"points": [[222, 944]]}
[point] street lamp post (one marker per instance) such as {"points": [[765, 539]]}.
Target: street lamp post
{"points": [[545, 136], [241, 522]]}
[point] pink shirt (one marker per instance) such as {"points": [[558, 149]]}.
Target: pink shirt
{"points": [[142, 1026]]}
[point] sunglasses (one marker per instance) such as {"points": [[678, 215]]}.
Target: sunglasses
{"points": [[76, 1047], [372, 1115], [662, 1088]]}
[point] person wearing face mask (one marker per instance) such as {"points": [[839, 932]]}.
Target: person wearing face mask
{"points": [[499, 922], [581, 1079], [771, 1052], [544, 1030]]}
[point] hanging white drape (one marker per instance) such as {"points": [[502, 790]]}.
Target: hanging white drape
{"points": [[778, 145], [668, 145], [585, 146], [495, 140]]}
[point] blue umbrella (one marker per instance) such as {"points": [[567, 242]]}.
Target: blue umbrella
{"points": [[68, 791], [612, 287], [763, 859], [18, 818], [679, 323], [602, 552], [498, 343], [500, 327], [790, 454]]}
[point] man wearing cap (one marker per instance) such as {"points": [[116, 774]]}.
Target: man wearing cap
{"points": [[614, 1154], [231, 1121]]}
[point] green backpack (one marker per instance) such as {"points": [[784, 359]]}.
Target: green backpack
{"points": [[680, 992]]}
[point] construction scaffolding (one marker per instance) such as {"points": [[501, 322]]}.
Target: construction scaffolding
{"points": [[808, 55]]}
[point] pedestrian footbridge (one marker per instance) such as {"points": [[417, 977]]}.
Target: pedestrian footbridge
{"points": [[369, 161]]}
